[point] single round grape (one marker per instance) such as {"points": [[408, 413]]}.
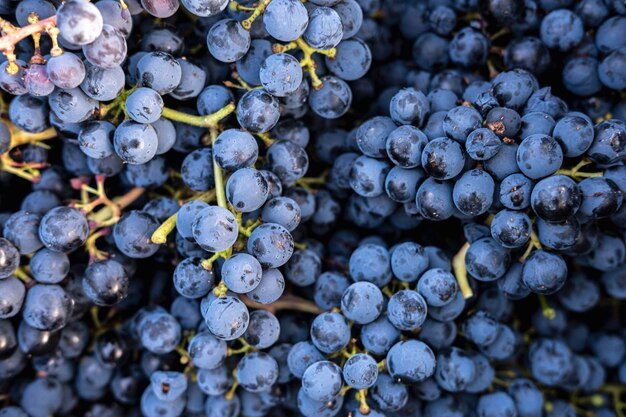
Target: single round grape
{"points": [[37, 80], [280, 74], [108, 50], [79, 22], [227, 318], [205, 8], [241, 273], [29, 113], [132, 234], [258, 111], [47, 307], [159, 71], [332, 100], [160, 8], [96, 139], [352, 60], [246, 190], [215, 229], [63, 229], [257, 372], [322, 381], [206, 351], [228, 41], [325, 30], [270, 288], [49, 267], [135, 143], [144, 105], [285, 30], [66, 71], [406, 310], [71, 106], [106, 282]]}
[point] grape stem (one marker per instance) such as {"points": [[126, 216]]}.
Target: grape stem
{"points": [[285, 302], [256, 11], [575, 171], [534, 244], [20, 137], [107, 212], [12, 35], [460, 271], [208, 121], [219, 177], [548, 312]]}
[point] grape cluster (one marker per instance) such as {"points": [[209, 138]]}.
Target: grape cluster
{"points": [[321, 208]]}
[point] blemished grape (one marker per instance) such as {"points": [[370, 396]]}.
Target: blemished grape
{"points": [[80, 22]]}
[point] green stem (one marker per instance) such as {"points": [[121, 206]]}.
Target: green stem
{"points": [[208, 121], [219, 177]]}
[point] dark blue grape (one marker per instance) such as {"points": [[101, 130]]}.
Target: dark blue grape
{"points": [[332, 100], [544, 272], [511, 229], [556, 198], [228, 41]]}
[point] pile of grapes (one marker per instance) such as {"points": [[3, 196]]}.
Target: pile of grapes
{"points": [[283, 208]]}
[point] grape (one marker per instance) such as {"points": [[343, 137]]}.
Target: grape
{"points": [[205, 8], [113, 14], [207, 351], [63, 229], [228, 41], [362, 302], [29, 113], [257, 372], [404, 146], [367, 177], [270, 288], [332, 100], [410, 361], [135, 143], [159, 332], [285, 30], [66, 71], [193, 80], [389, 394], [280, 74], [105, 283], [246, 190], [257, 111], [288, 160], [473, 192], [9, 258], [555, 198], [214, 229], [227, 318], [330, 332], [37, 80], [71, 106], [303, 267], [241, 273], [95, 139], [263, 330], [108, 50], [13, 83], [371, 263], [47, 307], [352, 60], [160, 8], [49, 267], [430, 52], [284, 211], [271, 244], [406, 310], [144, 105], [132, 234], [159, 71], [544, 272], [322, 381], [79, 22], [13, 297]]}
